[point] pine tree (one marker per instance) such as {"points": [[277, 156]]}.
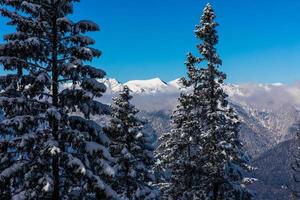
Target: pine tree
{"points": [[203, 150], [49, 148], [133, 150]]}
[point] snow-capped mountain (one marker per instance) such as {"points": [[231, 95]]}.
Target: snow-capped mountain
{"points": [[112, 85], [175, 83], [267, 110], [156, 85], [150, 86], [147, 86]]}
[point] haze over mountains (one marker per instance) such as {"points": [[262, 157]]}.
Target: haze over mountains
{"points": [[268, 108]]}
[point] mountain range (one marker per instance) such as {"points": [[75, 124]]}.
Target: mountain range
{"points": [[269, 109], [267, 112]]}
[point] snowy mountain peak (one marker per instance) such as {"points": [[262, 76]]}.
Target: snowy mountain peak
{"points": [[147, 86], [112, 85], [175, 83], [233, 90]]}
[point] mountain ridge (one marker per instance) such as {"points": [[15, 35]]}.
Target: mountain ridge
{"points": [[158, 85], [267, 111]]}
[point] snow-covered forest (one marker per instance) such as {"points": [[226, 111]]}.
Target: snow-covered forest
{"points": [[69, 132]]}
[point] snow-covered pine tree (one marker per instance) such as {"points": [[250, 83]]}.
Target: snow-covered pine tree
{"points": [[46, 150], [203, 150], [133, 150]]}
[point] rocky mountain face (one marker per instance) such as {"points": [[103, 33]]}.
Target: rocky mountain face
{"points": [[274, 172]]}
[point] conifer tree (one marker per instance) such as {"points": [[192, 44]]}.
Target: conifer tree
{"points": [[203, 150], [133, 150], [49, 148]]}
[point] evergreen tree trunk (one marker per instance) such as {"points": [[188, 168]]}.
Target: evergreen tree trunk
{"points": [[215, 190], [20, 71], [55, 164], [100, 195], [212, 121], [128, 192], [126, 165]]}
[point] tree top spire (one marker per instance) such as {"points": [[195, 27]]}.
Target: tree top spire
{"points": [[208, 14]]}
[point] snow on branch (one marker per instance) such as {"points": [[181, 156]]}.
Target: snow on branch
{"points": [[92, 72], [95, 148], [65, 24], [99, 108], [85, 53], [12, 170], [82, 40], [85, 26], [30, 7], [18, 123], [89, 126], [93, 86]]}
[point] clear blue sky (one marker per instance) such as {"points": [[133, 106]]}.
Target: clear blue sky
{"points": [[141, 39]]}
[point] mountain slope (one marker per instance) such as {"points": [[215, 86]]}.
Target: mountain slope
{"points": [[274, 172]]}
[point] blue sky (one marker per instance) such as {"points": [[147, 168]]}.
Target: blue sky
{"points": [[141, 39]]}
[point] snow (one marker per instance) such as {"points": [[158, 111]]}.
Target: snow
{"points": [[8, 172], [54, 150], [108, 170], [175, 83], [33, 41], [233, 90], [42, 77], [93, 147], [26, 138], [11, 101], [149, 86], [93, 85], [18, 121], [87, 52], [139, 135], [158, 86], [75, 162], [30, 6], [112, 85], [20, 196], [52, 112], [46, 187], [249, 181], [83, 39], [126, 153], [85, 25], [30, 133], [65, 22], [91, 126]]}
